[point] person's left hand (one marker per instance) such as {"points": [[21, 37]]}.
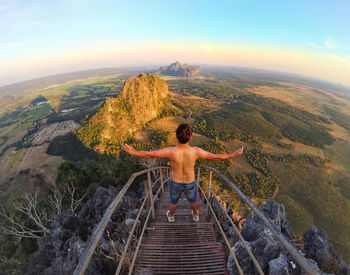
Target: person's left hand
{"points": [[127, 148], [239, 151]]}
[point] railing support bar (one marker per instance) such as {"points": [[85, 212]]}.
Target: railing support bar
{"points": [[291, 249], [198, 174], [240, 236], [140, 239], [150, 193], [99, 229], [121, 261], [223, 234], [161, 179], [209, 184]]}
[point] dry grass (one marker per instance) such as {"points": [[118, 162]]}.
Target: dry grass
{"points": [[303, 97], [36, 157], [339, 132]]}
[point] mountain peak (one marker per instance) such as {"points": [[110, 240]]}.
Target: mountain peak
{"points": [[140, 100], [176, 69]]}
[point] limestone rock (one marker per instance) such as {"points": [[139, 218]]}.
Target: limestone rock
{"points": [[59, 252], [279, 266], [277, 214], [176, 69], [314, 265], [141, 99], [260, 239], [318, 247]]}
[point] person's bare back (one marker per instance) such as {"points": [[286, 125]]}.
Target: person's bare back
{"points": [[183, 158]]}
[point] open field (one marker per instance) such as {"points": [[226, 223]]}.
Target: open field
{"points": [[310, 199], [304, 97]]}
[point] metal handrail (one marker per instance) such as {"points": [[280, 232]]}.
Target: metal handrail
{"points": [[148, 195], [300, 259], [143, 231], [223, 233], [257, 265], [99, 229], [212, 194]]}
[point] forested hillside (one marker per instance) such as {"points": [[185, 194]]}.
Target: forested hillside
{"points": [[141, 99]]}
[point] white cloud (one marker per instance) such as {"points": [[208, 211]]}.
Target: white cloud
{"points": [[329, 43], [313, 45]]}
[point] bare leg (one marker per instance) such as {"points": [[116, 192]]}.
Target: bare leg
{"points": [[172, 209], [194, 207]]}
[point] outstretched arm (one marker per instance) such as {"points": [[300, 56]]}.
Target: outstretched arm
{"points": [[164, 153], [202, 154]]}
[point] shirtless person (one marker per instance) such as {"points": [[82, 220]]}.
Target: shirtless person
{"points": [[183, 158]]}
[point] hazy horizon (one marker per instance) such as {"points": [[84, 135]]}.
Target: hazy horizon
{"points": [[149, 67]]}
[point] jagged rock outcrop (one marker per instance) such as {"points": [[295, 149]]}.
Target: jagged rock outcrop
{"points": [[270, 254], [279, 266], [59, 252], [176, 69], [141, 99], [262, 242], [253, 226], [318, 247]]}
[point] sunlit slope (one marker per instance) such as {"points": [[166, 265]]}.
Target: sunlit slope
{"points": [[284, 118], [141, 99]]}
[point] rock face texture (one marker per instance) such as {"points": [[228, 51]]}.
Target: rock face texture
{"points": [[318, 247], [59, 252], [141, 99], [272, 257], [262, 242], [176, 69]]}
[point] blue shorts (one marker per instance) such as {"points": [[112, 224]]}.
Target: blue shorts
{"points": [[190, 190]]}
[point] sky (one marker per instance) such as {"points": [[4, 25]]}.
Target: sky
{"points": [[45, 37]]}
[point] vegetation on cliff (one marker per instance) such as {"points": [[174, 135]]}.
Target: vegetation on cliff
{"points": [[141, 99]]}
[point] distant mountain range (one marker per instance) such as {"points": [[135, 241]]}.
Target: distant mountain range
{"points": [[176, 69]]}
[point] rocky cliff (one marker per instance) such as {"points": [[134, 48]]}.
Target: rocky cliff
{"points": [[141, 99], [272, 256], [176, 69], [59, 252]]}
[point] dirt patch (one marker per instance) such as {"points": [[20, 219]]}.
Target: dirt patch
{"points": [[49, 132], [4, 163]]}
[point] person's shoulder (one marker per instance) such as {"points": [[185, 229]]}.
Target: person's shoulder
{"points": [[170, 148], [196, 149]]}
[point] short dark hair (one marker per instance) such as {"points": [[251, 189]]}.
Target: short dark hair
{"points": [[184, 133]]}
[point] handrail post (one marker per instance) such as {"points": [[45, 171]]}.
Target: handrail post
{"points": [[198, 174], [209, 195], [150, 193], [209, 185], [161, 178]]}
